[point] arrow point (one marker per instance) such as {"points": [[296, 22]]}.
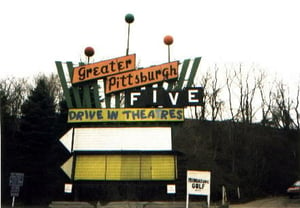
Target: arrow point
{"points": [[67, 167], [66, 140]]}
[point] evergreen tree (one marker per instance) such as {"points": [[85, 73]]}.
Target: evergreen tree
{"points": [[37, 135], [11, 97], [7, 156]]}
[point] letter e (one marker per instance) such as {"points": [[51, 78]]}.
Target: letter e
{"points": [[192, 96]]}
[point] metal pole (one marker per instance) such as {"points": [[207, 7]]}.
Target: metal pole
{"points": [[187, 200], [13, 202], [169, 53], [238, 193], [223, 195], [0, 132], [127, 50]]}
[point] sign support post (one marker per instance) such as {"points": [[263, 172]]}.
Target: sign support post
{"points": [[15, 181], [13, 202], [187, 200]]}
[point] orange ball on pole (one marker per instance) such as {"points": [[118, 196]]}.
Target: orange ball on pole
{"points": [[168, 39]]}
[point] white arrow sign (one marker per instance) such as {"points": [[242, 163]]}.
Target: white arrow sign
{"points": [[118, 139], [67, 139]]}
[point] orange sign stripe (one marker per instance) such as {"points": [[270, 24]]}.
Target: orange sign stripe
{"points": [[103, 68], [141, 77]]}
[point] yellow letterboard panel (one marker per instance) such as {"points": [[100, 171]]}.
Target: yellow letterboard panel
{"points": [[131, 167], [113, 168], [90, 167], [146, 167], [163, 167], [125, 167]]}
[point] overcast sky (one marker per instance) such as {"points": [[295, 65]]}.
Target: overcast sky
{"points": [[35, 33]]}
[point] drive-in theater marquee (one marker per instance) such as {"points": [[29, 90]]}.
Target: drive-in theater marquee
{"points": [[137, 105], [126, 87]]}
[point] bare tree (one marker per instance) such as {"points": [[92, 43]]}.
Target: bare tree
{"points": [[242, 82], [214, 101], [297, 108], [266, 99], [15, 91], [281, 108], [246, 94], [204, 83], [229, 82]]}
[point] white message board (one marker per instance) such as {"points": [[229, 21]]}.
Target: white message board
{"points": [[118, 138]]}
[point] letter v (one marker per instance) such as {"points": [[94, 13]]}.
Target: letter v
{"points": [[173, 98]]}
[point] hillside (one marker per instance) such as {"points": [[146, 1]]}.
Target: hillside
{"points": [[259, 160]]}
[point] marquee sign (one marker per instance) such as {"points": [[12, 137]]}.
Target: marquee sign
{"points": [[103, 68], [125, 115], [119, 79], [127, 94], [142, 77]]}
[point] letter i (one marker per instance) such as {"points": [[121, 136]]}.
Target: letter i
{"points": [[154, 97]]}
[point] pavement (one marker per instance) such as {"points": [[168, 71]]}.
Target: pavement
{"points": [[119, 204], [270, 202]]}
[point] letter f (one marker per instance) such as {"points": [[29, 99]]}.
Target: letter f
{"points": [[133, 97]]}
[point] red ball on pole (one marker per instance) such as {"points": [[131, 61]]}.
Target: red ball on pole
{"points": [[168, 39], [89, 51]]}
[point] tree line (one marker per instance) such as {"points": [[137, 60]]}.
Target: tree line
{"points": [[247, 94], [31, 122], [33, 118]]}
